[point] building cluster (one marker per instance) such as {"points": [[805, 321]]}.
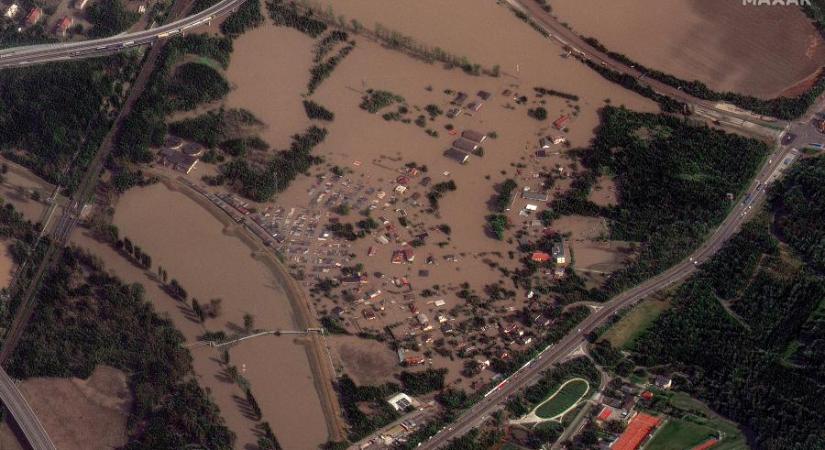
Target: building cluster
{"points": [[623, 408], [180, 156], [33, 15], [469, 143]]}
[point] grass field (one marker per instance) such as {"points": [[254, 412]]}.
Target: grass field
{"points": [[733, 438], [568, 395], [629, 327], [679, 434]]}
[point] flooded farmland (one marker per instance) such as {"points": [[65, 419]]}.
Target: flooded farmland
{"points": [[761, 51]]}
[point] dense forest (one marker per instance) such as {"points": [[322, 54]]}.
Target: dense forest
{"points": [[84, 317], [53, 114], [109, 17], [673, 180], [746, 331], [171, 88], [195, 83], [145, 126]]}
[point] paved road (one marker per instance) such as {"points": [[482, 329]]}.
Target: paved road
{"points": [[777, 161], [28, 423], [576, 338], [11, 398], [38, 54], [582, 49]]}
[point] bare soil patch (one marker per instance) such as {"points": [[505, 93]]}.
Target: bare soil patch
{"points": [[366, 362], [82, 414]]}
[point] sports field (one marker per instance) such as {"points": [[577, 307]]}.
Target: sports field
{"points": [[567, 396], [678, 434]]}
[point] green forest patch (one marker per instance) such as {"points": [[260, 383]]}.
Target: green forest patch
{"points": [[570, 393]]}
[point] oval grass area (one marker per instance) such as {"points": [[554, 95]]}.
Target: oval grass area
{"points": [[567, 396]]}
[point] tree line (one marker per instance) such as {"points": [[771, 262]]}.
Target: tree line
{"points": [[786, 108], [746, 330]]}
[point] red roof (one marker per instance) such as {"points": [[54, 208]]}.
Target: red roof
{"points": [[706, 445], [605, 414], [33, 16], [647, 395], [637, 431], [561, 122], [64, 24], [540, 257]]}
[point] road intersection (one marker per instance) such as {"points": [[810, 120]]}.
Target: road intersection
{"points": [[532, 371]]}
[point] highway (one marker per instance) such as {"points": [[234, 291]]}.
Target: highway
{"points": [[581, 49], [43, 53], [28, 422], [33, 431], [576, 339], [558, 352]]}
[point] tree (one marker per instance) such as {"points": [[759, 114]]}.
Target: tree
{"points": [[146, 260], [538, 113], [196, 307], [215, 307], [127, 244], [248, 322]]}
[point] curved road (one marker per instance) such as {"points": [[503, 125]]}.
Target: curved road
{"points": [[532, 371], [582, 49], [38, 54], [29, 55]]}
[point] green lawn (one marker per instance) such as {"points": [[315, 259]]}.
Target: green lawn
{"points": [[733, 438], [679, 434], [568, 395], [629, 327]]}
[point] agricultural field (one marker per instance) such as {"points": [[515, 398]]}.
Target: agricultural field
{"points": [[628, 328], [568, 395], [728, 46]]}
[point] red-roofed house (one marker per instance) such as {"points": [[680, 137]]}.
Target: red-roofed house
{"points": [[63, 25], [33, 16], [540, 257], [605, 414], [636, 432], [561, 122]]}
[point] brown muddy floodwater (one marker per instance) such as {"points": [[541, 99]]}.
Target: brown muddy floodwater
{"points": [[269, 72], [757, 50], [193, 247]]}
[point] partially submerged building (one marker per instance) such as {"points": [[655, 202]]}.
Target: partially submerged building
{"points": [[474, 136], [177, 160], [465, 145], [457, 155]]}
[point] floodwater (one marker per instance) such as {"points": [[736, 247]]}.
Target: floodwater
{"points": [[269, 71], [757, 50], [194, 247]]}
